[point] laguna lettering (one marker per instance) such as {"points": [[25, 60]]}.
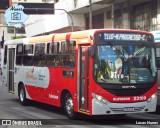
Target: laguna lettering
{"points": [[128, 87], [121, 99]]}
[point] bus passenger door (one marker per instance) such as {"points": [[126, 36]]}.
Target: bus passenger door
{"points": [[10, 82], [83, 78]]}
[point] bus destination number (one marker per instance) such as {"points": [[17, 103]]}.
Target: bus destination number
{"points": [[139, 98]]}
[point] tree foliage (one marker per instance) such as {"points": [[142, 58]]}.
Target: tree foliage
{"points": [[18, 37]]}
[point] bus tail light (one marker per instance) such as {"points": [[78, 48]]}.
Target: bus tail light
{"points": [[152, 98], [100, 98]]}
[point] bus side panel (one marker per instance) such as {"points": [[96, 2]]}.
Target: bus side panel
{"points": [[4, 75], [158, 92], [42, 84], [4, 69], [69, 83], [46, 84], [52, 93], [18, 77], [158, 78]]}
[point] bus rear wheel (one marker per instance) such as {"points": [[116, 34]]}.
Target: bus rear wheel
{"points": [[69, 107], [22, 96]]}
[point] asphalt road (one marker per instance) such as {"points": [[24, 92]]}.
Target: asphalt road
{"points": [[37, 113]]}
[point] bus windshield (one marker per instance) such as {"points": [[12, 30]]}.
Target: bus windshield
{"points": [[119, 64]]}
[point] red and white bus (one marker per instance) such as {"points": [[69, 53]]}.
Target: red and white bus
{"points": [[94, 72], [156, 35]]}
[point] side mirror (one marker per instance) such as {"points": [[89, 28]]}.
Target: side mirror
{"points": [[0, 71], [158, 62], [92, 51]]}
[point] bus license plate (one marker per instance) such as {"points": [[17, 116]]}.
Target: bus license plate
{"points": [[129, 109]]}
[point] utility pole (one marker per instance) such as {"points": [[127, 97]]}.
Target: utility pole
{"points": [[129, 14], [112, 15], [72, 23], [39, 9], [2, 42], [90, 14], [15, 32]]}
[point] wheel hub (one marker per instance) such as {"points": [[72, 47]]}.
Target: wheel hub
{"points": [[69, 106], [21, 95]]}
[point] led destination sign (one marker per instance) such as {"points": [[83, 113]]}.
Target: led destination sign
{"points": [[124, 37], [117, 36]]}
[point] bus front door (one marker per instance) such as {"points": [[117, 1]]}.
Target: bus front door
{"points": [[84, 78], [11, 70]]}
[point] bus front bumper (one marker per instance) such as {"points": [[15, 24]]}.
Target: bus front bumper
{"points": [[99, 108]]}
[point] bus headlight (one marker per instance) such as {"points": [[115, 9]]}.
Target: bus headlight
{"points": [[152, 98], [100, 98]]}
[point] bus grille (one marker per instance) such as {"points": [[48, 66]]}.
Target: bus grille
{"points": [[128, 92], [136, 109]]}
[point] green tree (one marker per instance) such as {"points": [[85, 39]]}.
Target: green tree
{"points": [[18, 37]]}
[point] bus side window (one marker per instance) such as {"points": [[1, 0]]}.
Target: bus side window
{"points": [[52, 60], [158, 62], [56, 47], [63, 47], [39, 57], [48, 48], [19, 54], [72, 47], [5, 54], [28, 55], [52, 56], [158, 56], [68, 49]]}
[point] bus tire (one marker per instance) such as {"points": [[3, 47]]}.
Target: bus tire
{"points": [[69, 107], [22, 96]]}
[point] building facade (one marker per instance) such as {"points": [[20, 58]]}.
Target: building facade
{"points": [[125, 14], [74, 15], [10, 32]]}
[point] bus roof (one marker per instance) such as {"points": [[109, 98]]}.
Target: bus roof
{"points": [[44, 38], [17, 41], [88, 33], [85, 34]]}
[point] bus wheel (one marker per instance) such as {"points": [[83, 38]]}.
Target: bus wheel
{"points": [[68, 107], [22, 96]]}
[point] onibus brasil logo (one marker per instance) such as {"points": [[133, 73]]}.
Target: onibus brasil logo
{"points": [[15, 16]]}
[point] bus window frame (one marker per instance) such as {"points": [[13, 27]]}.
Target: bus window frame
{"points": [[157, 45], [19, 54], [5, 54], [67, 54], [49, 53], [28, 55], [39, 58]]}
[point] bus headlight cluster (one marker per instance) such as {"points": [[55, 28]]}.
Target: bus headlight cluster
{"points": [[152, 98], [100, 98]]}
